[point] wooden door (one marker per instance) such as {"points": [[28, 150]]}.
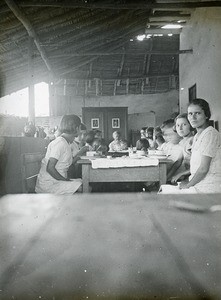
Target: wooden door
{"points": [[93, 118], [117, 121], [106, 119]]}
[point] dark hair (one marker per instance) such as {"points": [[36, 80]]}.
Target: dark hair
{"points": [[159, 138], [90, 137], [158, 130], [168, 123], [150, 130], [182, 116], [69, 124], [143, 143], [203, 104], [83, 126], [97, 131], [144, 128]]}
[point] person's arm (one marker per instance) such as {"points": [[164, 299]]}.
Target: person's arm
{"points": [[52, 170], [178, 176], [111, 147], [200, 173], [175, 167], [81, 152]]}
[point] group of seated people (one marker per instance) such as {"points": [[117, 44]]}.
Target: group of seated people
{"points": [[193, 148]]}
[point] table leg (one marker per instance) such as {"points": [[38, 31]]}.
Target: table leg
{"points": [[85, 178], [163, 173]]}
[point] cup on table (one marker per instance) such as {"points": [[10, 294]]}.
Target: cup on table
{"points": [[91, 153]]}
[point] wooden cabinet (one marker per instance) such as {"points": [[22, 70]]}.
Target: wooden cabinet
{"points": [[107, 119]]}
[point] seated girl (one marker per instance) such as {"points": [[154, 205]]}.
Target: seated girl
{"points": [[52, 177], [142, 144], [171, 148], [150, 137], [100, 141], [89, 140], [78, 146], [117, 144], [205, 166], [160, 142], [185, 131]]}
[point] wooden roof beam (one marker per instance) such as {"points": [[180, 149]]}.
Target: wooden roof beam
{"points": [[124, 78], [127, 6], [31, 32], [162, 31], [169, 18], [122, 53]]}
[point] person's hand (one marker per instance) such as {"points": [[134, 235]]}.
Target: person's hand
{"points": [[183, 185], [175, 178], [83, 150]]}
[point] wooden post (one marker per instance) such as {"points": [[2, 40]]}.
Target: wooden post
{"points": [[52, 99], [31, 104]]}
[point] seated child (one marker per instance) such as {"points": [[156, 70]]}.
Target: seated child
{"points": [[186, 132], [160, 142], [98, 135], [150, 137], [142, 144], [172, 148], [117, 144], [89, 140]]}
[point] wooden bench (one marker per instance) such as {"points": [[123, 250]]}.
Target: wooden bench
{"points": [[30, 166]]}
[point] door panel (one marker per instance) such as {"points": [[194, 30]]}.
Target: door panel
{"points": [[90, 118], [109, 119], [116, 121]]}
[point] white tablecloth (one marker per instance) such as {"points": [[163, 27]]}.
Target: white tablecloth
{"points": [[123, 162]]}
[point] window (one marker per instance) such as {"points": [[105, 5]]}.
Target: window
{"points": [[192, 92]]}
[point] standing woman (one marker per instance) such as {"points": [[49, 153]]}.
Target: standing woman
{"points": [[205, 162], [52, 177]]}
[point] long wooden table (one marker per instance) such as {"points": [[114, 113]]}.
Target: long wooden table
{"points": [[90, 246], [131, 174]]}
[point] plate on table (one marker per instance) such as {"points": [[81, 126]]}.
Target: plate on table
{"points": [[158, 156], [118, 153], [90, 157]]}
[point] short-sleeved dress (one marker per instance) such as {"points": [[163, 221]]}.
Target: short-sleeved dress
{"points": [[60, 150], [186, 144], [173, 151], [117, 145], [207, 143]]}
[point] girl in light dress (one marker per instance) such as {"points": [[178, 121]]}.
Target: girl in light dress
{"points": [[52, 177], [205, 162], [185, 130]]}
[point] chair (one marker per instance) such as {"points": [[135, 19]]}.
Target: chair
{"points": [[30, 166]]}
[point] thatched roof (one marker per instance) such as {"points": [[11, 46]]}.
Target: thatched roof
{"points": [[91, 45]]}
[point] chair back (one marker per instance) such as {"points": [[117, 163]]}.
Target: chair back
{"points": [[30, 167]]}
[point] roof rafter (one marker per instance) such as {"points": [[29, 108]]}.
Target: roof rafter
{"points": [[31, 32], [134, 6]]}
